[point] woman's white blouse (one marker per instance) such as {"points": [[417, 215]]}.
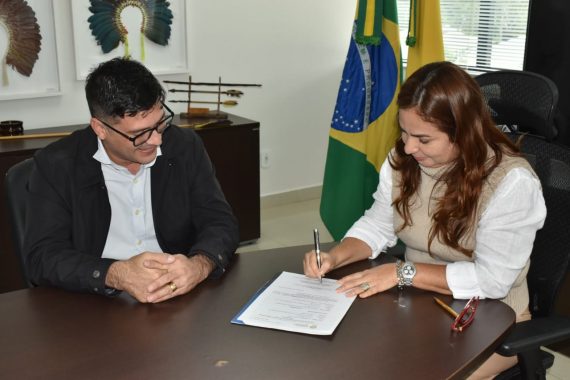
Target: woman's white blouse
{"points": [[504, 237]]}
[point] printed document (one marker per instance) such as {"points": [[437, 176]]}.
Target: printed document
{"points": [[294, 302]]}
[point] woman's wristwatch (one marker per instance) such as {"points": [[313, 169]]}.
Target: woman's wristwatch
{"points": [[405, 272]]}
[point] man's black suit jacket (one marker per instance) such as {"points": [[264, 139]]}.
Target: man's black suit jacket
{"points": [[69, 212]]}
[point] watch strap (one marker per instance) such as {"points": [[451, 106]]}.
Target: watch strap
{"points": [[399, 274]]}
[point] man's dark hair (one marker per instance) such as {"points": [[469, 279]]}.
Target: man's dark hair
{"points": [[121, 87]]}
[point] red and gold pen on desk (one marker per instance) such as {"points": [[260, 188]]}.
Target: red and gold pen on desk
{"points": [[445, 307], [318, 250]]}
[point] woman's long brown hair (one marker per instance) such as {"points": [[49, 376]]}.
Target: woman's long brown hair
{"points": [[445, 95]]}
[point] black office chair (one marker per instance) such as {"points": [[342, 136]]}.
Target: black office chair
{"points": [[16, 185], [522, 101], [525, 103], [550, 260]]}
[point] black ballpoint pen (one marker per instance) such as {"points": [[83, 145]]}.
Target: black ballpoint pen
{"points": [[318, 250]]}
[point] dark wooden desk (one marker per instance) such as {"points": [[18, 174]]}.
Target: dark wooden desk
{"points": [[53, 334], [233, 149]]}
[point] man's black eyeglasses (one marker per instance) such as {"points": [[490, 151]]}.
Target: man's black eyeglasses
{"points": [[144, 136]]}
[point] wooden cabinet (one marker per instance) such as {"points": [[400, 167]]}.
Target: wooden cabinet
{"points": [[233, 149]]}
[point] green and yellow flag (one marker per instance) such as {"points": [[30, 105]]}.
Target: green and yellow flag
{"points": [[425, 39], [364, 126]]}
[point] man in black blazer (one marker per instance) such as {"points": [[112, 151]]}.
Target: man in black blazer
{"points": [[130, 203]]}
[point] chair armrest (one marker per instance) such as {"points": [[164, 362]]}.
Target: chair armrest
{"points": [[535, 333]]}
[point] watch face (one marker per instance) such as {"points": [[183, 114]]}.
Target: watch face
{"points": [[408, 270]]}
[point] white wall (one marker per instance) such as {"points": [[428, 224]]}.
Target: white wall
{"points": [[295, 48]]}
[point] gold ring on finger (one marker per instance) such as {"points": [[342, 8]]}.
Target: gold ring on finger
{"points": [[173, 286]]}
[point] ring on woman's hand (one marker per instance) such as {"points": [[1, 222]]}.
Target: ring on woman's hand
{"points": [[173, 286], [365, 286]]}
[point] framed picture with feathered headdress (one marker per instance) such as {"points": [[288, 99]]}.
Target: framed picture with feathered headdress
{"points": [[28, 51], [150, 31]]}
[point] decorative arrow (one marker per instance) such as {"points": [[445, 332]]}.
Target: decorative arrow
{"points": [[233, 93], [213, 84], [224, 103]]}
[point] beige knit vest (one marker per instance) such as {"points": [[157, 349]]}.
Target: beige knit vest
{"points": [[416, 236]]}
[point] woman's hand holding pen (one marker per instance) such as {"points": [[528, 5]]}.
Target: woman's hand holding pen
{"points": [[348, 251], [311, 268], [362, 284]]}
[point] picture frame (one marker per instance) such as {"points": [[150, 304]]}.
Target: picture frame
{"points": [[169, 59], [45, 79]]}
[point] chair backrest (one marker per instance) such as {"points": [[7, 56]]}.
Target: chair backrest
{"points": [[521, 100], [16, 185], [550, 256]]}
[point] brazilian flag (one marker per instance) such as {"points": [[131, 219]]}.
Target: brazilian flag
{"points": [[364, 126]]}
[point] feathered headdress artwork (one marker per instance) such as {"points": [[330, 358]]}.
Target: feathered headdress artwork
{"points": [[24, 39], [108, 30]]}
